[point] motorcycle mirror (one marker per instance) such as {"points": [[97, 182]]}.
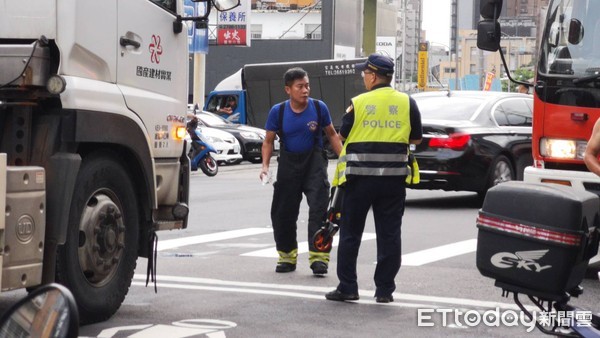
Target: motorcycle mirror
{"points": [[48, 311]]}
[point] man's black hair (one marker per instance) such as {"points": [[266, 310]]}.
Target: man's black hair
{"points": [[294, 74]]}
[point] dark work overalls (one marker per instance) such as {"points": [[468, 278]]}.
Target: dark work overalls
{"points": [[299, 173]]}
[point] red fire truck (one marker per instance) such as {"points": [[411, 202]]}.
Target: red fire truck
{"points": [[566, 92]]}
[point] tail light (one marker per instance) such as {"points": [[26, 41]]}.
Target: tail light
{"points": [[456, 141]]}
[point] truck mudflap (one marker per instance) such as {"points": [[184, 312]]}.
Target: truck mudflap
{"points": [[23, 227]]}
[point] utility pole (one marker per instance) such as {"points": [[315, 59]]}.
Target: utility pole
{"points": [[456, 84], [404, 26], [369, 26]]}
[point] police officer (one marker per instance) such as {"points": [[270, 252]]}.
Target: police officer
{"points": [[372, 171]]}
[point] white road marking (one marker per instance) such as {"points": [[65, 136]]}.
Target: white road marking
{"points": [[219, 236], [418, 258], [169, 331], [423, 257], [312, 292], [302, 247]]}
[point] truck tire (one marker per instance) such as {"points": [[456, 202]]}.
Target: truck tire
{"points": [[99, 257]]}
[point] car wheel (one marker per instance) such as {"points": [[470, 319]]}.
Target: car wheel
{"points": [[98, 259], [255, 159], [501, 171]]}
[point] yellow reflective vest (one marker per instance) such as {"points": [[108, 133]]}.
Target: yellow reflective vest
{"points": [[377, 144]]}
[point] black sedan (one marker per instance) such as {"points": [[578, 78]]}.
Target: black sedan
{"points": [[250, 138], [473, 140]]}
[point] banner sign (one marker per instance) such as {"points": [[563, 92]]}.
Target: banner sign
{"points": [[489, 77], [422, 66], [233, 27], [197, 38]]}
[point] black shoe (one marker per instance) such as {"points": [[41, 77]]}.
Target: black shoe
{"points": [[285, 267], [319, 268], [337, 295], [384, 299]]}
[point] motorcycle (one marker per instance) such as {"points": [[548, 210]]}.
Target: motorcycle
{"points": [[200, 152], [48, 311]]}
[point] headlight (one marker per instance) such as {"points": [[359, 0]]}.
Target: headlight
{"points": [[215, 139], [562, 149], [250, 135]]}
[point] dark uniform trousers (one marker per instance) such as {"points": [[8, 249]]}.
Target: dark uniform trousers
{"points": [[386, 194], [299, 173]]}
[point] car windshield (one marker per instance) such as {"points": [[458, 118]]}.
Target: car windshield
{"points": [[448, 108], [571, 41], [213, 120]]}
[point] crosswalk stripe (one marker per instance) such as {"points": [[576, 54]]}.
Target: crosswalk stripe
{"points": [[219, 236], [302, 247], [439, 253], [417, 258]]}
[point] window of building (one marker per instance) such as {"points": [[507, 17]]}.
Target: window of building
{"points": [[256, 31], [312, 31], [472, 69]]}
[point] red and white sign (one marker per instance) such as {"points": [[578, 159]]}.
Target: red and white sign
{"points": [[489, 77], [233, 27], [231, 36]]}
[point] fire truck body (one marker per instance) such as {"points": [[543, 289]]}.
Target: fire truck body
{"points": [[567, 94]]}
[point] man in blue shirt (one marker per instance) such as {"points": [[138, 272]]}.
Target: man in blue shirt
{"points": [[302, 168]]}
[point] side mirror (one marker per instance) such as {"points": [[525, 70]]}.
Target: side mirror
{"points": [[575, 32], [488, 35], [48, 311], [225, 5], [490, 9]]}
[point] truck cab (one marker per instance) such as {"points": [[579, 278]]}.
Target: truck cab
{"points": [[93, 101]]}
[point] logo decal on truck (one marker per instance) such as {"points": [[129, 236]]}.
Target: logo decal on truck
{"points": [[155, 49], [520, 260]]}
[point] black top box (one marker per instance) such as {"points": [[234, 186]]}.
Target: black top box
{"points": [[537, 237]]}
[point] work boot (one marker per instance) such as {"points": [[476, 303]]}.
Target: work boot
{"points": [[287, 261], [384, 299], [319, 268], [339, 296], [285, 267]]}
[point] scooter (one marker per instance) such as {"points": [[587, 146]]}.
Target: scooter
{"points": [[48, 311], [202, 148]]}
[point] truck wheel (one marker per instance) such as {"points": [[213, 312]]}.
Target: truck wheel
{"points": [[99, 257]]}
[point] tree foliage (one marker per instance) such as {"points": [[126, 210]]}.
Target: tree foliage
{"points": [[525, 74]]}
